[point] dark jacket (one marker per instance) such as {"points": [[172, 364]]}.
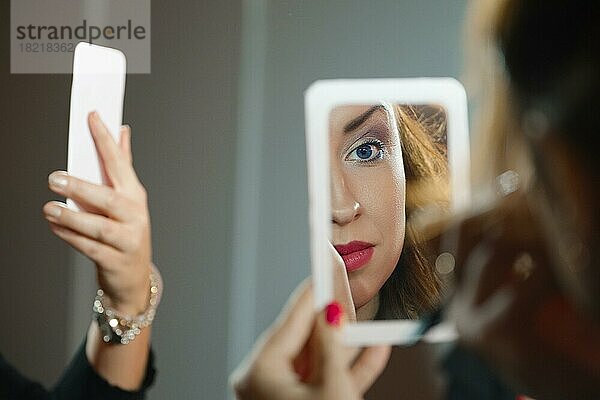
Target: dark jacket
{"points": [[78, 381]]}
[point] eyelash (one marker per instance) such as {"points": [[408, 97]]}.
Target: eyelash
{"points": [[372, 142]]}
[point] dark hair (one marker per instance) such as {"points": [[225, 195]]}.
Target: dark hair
{"points": [[414, 287], [551, 53]]}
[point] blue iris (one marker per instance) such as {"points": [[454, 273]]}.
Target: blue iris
{"points": [[364, 152]]}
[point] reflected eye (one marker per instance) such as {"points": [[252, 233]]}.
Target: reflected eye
{"points": [[366, 152]]}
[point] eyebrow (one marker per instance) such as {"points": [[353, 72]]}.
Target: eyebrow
{"points": [[358, 121]]}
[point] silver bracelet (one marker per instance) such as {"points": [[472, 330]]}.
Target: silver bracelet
{"points": [[122, 329]]}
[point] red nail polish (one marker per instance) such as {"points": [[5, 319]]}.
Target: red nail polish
{"points": [[333, 313]]}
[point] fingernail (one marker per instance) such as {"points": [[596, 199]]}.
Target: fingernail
{"points": [[58, 179], [54, 211], [333, 313], [94, 115]]}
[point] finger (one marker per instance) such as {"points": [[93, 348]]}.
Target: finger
{"points": [[277, 347], [98, 252], [331, 359], [309, 364], [490, 267], [100, 198], [328, 334], [295, 323], [97, 227], [125, 143], [493, 310], [474, 269], [251, 384], [468, 282], [342, 292], [368, 366], [118, 170]]}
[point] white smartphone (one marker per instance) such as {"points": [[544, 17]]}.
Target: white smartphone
{"points": [[98, 85], [378, 150]]}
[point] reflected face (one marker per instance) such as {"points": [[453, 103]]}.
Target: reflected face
{"points": [[368, 196]]}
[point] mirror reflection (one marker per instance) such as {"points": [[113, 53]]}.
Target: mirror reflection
{"points": [[388, 162]]}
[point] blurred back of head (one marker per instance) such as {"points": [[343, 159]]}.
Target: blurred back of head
{"points": [[538, 64], [551, 51]]}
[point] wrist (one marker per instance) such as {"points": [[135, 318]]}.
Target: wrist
{"points": [[122, 325], [134, 302]]}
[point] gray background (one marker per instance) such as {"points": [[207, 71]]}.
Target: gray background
{"points": [[219, 142]]}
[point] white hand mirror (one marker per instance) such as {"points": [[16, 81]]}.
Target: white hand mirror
{"points": [[380, 153]]}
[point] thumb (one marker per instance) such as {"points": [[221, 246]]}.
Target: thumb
{"points": [[337, 370], [341, 285], [334, 359], [328, 343]]}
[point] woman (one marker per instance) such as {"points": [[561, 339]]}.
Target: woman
{"points": [[382, 159], [534, 315], [527, 300], [113, 230]]}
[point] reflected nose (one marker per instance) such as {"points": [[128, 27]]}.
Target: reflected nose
{"points": [[344, 207]]}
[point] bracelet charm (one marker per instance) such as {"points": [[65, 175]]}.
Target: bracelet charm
{"points": [[122, 329]]}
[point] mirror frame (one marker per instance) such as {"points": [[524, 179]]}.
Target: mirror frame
{"points": [[320, 99]]}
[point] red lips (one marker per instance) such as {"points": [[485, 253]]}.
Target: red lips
{"points": [[355, 254]]}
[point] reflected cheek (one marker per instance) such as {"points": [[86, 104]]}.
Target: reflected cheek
{"points": [[372, 188], [383, 199]]}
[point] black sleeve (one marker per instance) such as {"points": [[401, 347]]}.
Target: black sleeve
{"points": [[14, 386], [468, 377], [78, 381]]}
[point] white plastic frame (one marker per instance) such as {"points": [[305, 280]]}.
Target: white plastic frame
{"points": [[320, 99]]}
